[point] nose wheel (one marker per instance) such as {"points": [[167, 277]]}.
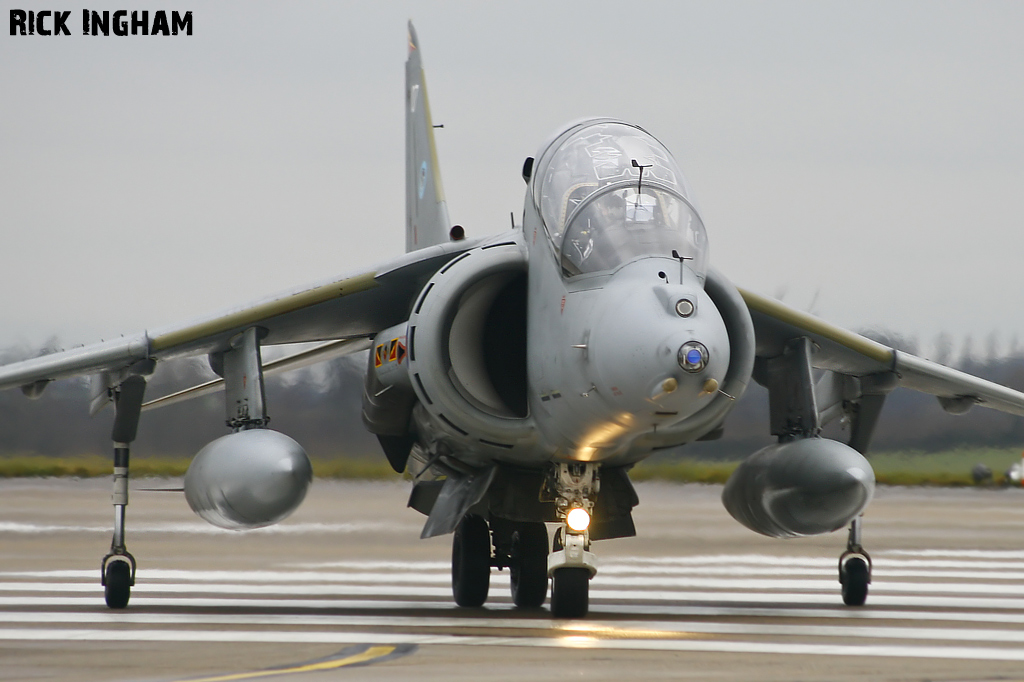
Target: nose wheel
{"points": [[571, 565], [570, 585], [570, 592]]}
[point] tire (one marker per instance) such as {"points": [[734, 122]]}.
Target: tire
{"points": [[855, 582], [118, 587], [570, 592], [471, 562], [529, 569]]}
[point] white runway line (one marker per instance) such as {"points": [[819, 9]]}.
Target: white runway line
{"points": [[830, 608], [609, 587], [683, 565], [922, 605]]}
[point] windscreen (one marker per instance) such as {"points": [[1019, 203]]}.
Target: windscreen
{"points": [[610, 193]]}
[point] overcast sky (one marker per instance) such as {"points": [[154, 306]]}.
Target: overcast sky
{"points": [[862, 159]]}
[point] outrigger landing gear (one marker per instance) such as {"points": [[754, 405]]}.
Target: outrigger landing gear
{"points": [[117, 571], [571, 565], [855, 568]]}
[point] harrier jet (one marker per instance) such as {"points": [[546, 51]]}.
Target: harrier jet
{"points": [[517, 378]]}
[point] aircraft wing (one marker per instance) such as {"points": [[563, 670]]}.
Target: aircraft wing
{"points": [[847, 353], [351, 306]]}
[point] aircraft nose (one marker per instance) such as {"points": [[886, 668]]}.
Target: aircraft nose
{"points": [[650, 358]]}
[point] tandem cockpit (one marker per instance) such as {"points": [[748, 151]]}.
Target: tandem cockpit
{"points": [[609, 193]]}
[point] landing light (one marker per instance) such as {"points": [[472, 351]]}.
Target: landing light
{"points": [[578, 519]]}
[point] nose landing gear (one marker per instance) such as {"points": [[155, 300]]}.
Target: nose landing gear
{"points": [[571, 565]]}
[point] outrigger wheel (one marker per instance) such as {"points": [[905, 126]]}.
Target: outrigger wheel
{"points": [[471, 561], [855, 567], [117, 582], [855, 576]]}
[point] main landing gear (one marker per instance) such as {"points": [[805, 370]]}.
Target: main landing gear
{"points": [[855, 568], [471, 561], [528, 566], [522, 547]]}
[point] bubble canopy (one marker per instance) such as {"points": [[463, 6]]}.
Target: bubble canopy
{"points": [[600, 213]]}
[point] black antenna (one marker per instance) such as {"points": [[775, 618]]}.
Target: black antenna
{"points": [[681, 259], [641, 166], [512, 217], [640, 182]]}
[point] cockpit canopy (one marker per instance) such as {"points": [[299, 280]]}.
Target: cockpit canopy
{"points": [[600, 212]]}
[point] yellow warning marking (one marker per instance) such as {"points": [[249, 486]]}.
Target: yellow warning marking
{"points": [[368, 655], [810, 323]]}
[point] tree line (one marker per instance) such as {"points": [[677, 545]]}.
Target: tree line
{"points": [[320, 407]]}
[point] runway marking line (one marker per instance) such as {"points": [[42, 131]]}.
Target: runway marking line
{"points": [[364, 655]]}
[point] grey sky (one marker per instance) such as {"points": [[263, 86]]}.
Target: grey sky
{"points": [[868, 155]]}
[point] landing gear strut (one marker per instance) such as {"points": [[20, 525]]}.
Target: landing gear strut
{"points": [[855, 568], [117, 570], [571, 565]]}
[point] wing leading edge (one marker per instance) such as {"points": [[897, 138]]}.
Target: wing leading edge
{"points": [[347, 307], [844, 352]]}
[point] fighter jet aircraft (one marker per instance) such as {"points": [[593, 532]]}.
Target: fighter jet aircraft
{"points": [[518, 377]]}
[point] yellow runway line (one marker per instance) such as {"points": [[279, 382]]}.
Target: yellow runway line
{"points": [[370, 654]]}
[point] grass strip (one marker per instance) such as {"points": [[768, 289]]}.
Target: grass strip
{"points": [[951, 468], [90, 466], [907, 468]]}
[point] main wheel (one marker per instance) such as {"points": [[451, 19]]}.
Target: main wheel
{"points": [[855, 582], [471, 561], [570, 592], [529, 569], [118, 584]]}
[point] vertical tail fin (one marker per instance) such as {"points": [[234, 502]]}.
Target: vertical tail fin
{"points": [[426, 213]]}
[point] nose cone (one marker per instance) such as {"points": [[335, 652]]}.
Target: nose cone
{"points": [[651, 357]]}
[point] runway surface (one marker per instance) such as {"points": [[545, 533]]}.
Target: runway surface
{"points": [[345, 590]]}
